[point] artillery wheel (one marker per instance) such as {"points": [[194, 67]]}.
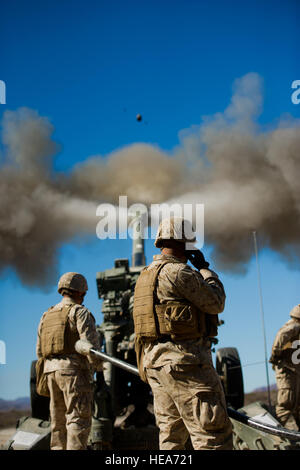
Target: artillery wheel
{"points": [[39, 404], [228, 366]]}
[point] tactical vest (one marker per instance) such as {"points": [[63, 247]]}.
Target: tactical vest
{"points": [[178, 319], [57, 338]]}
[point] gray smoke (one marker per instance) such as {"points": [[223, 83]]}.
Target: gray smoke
{"points": [[35, 215], [246, 175]]}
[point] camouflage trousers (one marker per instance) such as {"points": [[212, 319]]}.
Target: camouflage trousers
{"points": [[189, 401], [70, 409], [288, 399]]}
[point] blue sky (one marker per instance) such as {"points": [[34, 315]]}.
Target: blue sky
{"points": [[90, 67]]}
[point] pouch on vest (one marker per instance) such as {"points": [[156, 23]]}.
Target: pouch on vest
{"points": [[139, 350], [181, 321], [212, 323], [41, 379]]}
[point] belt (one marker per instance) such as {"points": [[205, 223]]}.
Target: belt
{"points": [[167, 338], [161, 339], [60, 356], [164, 339]]}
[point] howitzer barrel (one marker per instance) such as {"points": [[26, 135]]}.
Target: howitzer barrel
{"points": [[138, 250], [138, 256]]}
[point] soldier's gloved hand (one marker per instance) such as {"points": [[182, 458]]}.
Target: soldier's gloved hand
{"points": [[274, 359], [96, 364], [84, 347], [197, 259]]}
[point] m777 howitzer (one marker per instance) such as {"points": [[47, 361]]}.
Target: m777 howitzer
{"points": [[255, 426]]}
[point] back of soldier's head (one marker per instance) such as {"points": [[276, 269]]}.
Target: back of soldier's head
{"points": [[174, 231], [71, 283], [295, 313]]}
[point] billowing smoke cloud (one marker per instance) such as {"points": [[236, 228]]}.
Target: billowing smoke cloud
{"points": [[35, 215], [246, 176], [247, 179]]}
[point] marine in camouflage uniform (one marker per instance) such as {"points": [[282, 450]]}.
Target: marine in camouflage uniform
{"points": [[173, 352], [69, 374], [286, 363]]}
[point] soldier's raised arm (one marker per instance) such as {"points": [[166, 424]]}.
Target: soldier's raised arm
{"points": [[203, 289]]}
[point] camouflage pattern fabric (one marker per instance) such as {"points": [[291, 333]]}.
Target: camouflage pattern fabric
{"points": [[287, 375], [189, 401], [71, 394], [288, 398], [180, 282], [188, 395], [69, 379], [282, 345]]}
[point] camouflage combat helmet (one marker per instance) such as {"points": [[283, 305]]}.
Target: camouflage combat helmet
{"points": [[175, 228], [73, 281], [295, 312]]}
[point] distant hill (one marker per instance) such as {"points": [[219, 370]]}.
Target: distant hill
{"points": [[22, 403], [261, 394], [265, 389]]}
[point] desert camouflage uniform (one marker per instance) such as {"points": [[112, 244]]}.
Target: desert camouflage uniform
{"points": [[70, 384], [188, 395], [287, 375]]}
